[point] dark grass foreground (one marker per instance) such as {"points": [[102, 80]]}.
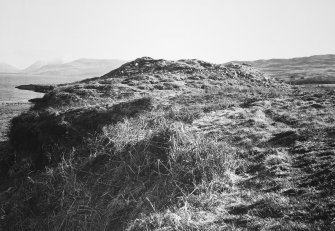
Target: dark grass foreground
{"points": [[162, 145]]}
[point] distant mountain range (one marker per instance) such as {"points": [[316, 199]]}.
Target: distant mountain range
{"points": [[80, 67], [304, 70], [315, 69], [6, 68], [39, 64]]}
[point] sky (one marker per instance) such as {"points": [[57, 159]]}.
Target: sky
{"points": [[212, 30]]}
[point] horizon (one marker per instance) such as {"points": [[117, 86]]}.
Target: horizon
{"points": [[56, 62], [214, 31]]}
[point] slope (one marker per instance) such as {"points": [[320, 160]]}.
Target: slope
{"points": [[305, 70], [6, 68], [80, 67], [39, 64]]}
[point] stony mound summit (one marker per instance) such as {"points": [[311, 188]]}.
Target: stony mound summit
{"points": [[147, 76]]}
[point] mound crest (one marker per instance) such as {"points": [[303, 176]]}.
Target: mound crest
{"points": [[156, 77]]}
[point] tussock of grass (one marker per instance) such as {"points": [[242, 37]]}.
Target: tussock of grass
{"points": [[135, 167], [37, 133]]}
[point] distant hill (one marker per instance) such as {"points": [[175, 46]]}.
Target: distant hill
{"points": [[6, 68], [304, 70], [39, 64], [80, 67]]}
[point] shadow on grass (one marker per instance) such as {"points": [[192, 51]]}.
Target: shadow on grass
{"points": [[35, 133]]}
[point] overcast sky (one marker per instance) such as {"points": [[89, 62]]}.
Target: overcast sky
{"points": [[211, 30]]}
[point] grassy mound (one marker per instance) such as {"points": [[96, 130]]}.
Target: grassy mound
{"points": [[40, 135], [129, 170], [172, 145]]}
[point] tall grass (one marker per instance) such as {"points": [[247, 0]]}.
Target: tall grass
{"points": [[132, 169]]}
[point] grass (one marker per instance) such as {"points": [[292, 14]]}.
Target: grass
{"points": [[7, 112], [318, 69], [139, 171], [230, 158], [31, 134]]}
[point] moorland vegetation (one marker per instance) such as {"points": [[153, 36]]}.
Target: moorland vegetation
{"points": [[172, 145]]}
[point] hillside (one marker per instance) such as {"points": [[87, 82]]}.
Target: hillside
{"points": [[172, 145], [39, 64], [6, 68], [305, 70], [80, 67]]}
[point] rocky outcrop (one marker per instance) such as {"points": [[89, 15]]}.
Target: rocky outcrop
{"points": [[37, 88]]}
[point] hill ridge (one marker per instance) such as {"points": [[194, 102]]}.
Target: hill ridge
{"points": [[316, 69], [80, 67], [7, 68]]}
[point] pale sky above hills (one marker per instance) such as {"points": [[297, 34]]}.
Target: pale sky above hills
{"points": [[211, 30]]}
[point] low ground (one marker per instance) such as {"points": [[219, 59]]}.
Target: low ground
{"points": [[317, 69], [172, 145]]}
